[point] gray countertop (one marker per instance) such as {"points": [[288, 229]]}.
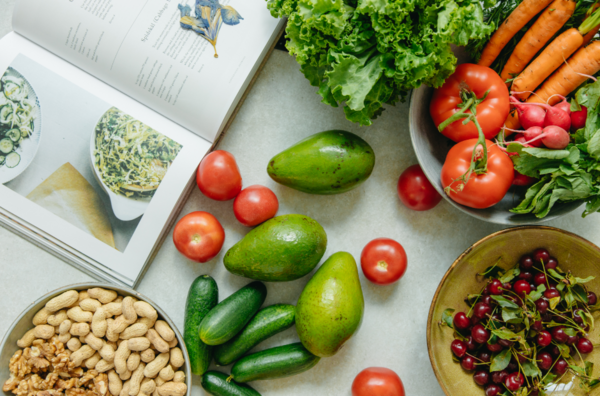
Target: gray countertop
{"points": [[281, 109]]}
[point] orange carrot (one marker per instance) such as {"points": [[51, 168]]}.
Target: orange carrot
{"points": [[565, 80], [549, 60], [589, 36], [515, 22], [544, 28]]}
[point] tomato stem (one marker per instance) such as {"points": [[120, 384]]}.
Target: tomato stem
{"points": [[479, 158]]}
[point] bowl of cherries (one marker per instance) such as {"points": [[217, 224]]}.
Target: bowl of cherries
{"points": [[515, 314]]}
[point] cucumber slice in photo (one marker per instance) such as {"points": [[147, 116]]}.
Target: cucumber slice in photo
{"points": [[2, 160], [6, 145], [12, 159], [14, 134]]}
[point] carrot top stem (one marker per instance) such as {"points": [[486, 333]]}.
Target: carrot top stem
{"points": [[591, 22]]}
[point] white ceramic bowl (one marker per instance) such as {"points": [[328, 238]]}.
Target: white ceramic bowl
{"points": [[23, 323], [432, 147]]}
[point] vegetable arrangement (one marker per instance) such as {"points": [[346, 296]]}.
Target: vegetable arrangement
{"points": [[363, 54], [539, 44], [526, 328]]}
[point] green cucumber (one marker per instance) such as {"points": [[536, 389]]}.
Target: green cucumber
{"points": [[267, 322], [230, 316], [278, 362], [216, 384], [202, 297]]}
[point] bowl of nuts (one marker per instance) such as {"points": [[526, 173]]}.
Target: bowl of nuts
{"points": [[94, 339]]}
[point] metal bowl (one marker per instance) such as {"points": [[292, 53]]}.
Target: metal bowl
{"points": [[431, 148], [572, 252], [23, 323]]}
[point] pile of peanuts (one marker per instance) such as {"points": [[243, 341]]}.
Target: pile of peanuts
{"points": [[119, 336]]}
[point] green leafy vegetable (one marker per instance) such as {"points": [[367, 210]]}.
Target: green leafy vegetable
{"points": [[366, 53]]}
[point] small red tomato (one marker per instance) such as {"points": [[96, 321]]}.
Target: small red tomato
{"points": [[219, 177], [377, 381], [415, 191], [199, 236], [383, 261], [254, 205]]}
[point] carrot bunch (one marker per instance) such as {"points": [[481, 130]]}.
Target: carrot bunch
{"points": [[565, 59]]}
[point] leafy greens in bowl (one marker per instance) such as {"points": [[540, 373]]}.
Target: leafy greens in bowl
{"points": [[369, 52], [131, 158]]}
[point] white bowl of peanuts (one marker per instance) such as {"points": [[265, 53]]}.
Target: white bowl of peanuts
{"points": [[94, 339]]}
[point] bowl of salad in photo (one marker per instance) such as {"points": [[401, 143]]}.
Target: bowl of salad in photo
{"points": [[130, 160], [511, 137], [515, 315], [20, 124]]}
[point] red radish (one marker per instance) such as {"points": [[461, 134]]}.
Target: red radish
{"points": [[578, 119], [521, 139], [531, 134], [554, 137], [529, 116], [564, 106], [523, 180], [554, 116]]}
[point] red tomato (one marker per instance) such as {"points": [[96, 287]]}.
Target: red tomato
{"points": [[199, 236], [254, 205], [383, 261], [219, 177], [415, 191], [377, 381], [481, 191], [491, 113]]}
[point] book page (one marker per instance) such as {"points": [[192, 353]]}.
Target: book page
{"points": [[193, 75], [81, 162]]}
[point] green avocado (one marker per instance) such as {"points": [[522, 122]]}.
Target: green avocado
{"points": [[281, 249], [330, 162], [331, 306]]}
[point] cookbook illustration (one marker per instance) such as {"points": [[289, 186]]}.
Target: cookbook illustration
{"points": [[96, 166], [210, 15]]}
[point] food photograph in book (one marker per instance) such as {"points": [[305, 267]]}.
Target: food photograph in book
{"points": [[87, 162]]}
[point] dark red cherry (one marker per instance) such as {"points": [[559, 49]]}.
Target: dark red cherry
{"points": [[559, 335], [505, 343], [528, 276], [541, 305], [578, 316], [460, 321], [544, 360], [526, 262], [544, 339], [592, 298], [494, 347], [541, 256], [552, 263], [484, 356], [468, 363], [514, 381], [498, 377], [482, 310], [481, 378], [551, 293], [492, 390], [537, 326], [522, 288], [459, 348], [572, 340], [495, 287], [471, 345], [480, 334], [584, 345], [539, 279], [560, 367]]}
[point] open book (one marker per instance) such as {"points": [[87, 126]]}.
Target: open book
{"points": [[107, 108]]}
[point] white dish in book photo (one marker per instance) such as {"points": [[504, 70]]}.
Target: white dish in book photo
{"points": [[20, 124]]}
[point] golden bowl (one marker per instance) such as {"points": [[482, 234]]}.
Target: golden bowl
{"points": [[573, 253]]}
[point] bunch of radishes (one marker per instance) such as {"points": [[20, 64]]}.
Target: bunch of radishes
{"points": [[547, 126]]}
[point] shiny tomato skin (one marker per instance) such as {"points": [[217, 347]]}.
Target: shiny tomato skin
{"points": [[491, 113], [199, 236], [481, 191], [254, 205], [415, 190], [377, 381], [218, 176], [383, 261]]}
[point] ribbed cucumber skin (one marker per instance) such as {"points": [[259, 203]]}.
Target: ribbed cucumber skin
{"points": [[266, 323], [216, 384], [230, 316], [278, 362], [202, 297]]}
